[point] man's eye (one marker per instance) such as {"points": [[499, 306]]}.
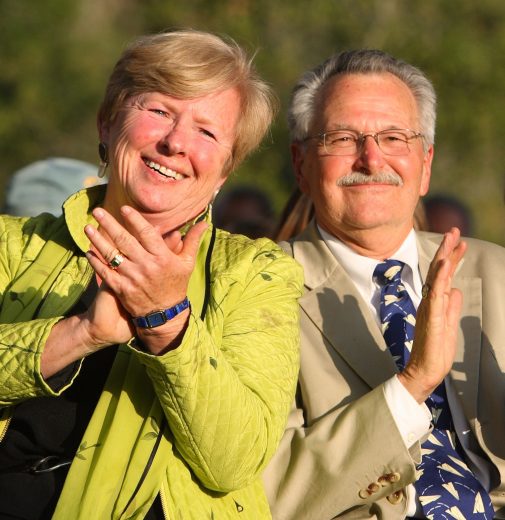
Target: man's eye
{"points": [[340, 138], [394, 137]]}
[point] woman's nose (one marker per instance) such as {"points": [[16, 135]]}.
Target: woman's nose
{"points": [[176, 139]]}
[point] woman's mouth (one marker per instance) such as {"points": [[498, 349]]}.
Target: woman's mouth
{"points": [[163, 170]]}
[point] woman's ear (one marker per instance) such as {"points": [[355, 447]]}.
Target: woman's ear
{"points": [[103, 130]]}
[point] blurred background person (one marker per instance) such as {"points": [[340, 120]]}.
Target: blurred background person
{"points": [[245, 210], [446, 211], [295, 216], [44, 185]]}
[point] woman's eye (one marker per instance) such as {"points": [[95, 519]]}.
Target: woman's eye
{"points": [[159, 112], [207, 133]]}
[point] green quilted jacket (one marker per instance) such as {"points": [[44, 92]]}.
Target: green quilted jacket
{"points": [[196, 425]]}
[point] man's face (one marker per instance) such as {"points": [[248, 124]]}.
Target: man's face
{"points": [[368, 104]]}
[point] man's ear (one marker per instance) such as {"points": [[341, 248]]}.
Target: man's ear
{"points": [[298, 160], [426, 174]]}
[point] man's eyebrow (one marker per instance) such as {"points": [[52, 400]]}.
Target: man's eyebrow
{"points": [[340, 126]]}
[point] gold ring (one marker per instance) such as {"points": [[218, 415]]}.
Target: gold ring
{"points": [[425, 290], [116, 261]]}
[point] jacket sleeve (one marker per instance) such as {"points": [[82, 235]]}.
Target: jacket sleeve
{"points": [[21, 343], [227, 389]]}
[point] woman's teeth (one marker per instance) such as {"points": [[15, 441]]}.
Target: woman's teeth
{"points": [[166, 172]]}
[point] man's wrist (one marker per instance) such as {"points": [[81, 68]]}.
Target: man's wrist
{"points": [[419, 392], [411, 418]]}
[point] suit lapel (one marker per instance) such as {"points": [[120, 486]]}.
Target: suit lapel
{"points": [[465, 370], [336, 308], [334, 305]]}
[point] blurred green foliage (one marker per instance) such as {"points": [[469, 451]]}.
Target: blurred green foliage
{"points": [[56, 56]]}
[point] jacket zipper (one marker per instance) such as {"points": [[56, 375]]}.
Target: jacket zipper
{"points": [[5, 421], [147, 467], [163, 499]]}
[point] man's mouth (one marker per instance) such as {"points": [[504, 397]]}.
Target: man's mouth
{"points": [[163, 170]]}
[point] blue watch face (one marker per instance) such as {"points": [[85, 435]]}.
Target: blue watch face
{"points": [[155, 319]]}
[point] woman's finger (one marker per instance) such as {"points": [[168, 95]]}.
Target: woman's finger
{"points": [[106, 251], [113, 233], [103, 270], [148, 236], [192, 240]]}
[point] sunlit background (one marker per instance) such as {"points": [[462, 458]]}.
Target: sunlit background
{"points": [[56, 55]]}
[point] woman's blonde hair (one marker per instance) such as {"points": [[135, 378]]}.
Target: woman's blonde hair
{"points": [[188, 64]]}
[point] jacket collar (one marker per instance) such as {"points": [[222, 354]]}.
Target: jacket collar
{"points": [[77, 213], [336, 308]]}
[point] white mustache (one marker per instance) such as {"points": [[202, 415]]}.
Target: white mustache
{"points": [[353, 178]]}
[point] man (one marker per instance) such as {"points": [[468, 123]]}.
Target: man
{"points": [[362, 128]]}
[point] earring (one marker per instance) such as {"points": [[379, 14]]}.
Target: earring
{"points": [[104, 158]]}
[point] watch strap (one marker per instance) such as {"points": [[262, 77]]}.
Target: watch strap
{"points": [[158, 318]]}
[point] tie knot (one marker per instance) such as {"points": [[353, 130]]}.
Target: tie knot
{"points": [[388, 272]]}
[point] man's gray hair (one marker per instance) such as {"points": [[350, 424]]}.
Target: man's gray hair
{"points": [[362, 61]]}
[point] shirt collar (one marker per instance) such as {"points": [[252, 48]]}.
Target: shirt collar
{"points": [[360, 268]]}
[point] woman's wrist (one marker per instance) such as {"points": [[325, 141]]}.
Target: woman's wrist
{"points": [[166, 337]]}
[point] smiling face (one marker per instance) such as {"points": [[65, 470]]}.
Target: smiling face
{"points": [[364, 103], [168, 156]]}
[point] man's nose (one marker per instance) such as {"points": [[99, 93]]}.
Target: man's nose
{"points": [[370, 156]]}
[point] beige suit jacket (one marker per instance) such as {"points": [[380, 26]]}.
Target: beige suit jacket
{"points": [[342, 455]]}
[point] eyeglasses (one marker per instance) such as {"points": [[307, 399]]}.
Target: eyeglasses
{"points": [[349, 142]]}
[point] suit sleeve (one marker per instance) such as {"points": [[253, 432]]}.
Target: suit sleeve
{"points": [[352, 457]]}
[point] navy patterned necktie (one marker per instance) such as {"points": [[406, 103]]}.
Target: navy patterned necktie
{"points": [[445, 485]]}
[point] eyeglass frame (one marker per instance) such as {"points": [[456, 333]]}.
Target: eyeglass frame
{"points": [[361, 137]]}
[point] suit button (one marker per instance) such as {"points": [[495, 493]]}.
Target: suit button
{"points": [[364, 493], [396, 497], [374, 487], [383, 480], [394, 477]]}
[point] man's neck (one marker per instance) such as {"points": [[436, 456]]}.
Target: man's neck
{"points": [[378, 243]]}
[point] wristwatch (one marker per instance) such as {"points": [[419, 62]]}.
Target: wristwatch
{"points": [[157, 318]]}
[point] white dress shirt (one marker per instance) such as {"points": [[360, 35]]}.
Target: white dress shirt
{"points": [[412, 419]]}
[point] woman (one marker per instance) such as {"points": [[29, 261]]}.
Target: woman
{"points": [[149, 360]]}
